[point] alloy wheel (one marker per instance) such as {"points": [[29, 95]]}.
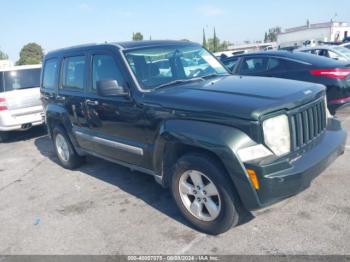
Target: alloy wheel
{"points": [[199, 195]]}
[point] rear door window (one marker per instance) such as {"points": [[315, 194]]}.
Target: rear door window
{"points": [[21, 79], [50, 74], [74, 71], [254, 65]]}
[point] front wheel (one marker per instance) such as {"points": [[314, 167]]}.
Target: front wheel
{"points": [[204, 194]]}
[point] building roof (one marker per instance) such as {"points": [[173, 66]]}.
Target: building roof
{"points": [[314, 26]]}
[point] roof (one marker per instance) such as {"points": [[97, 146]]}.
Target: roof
{"points": [[122, 45], [327, 47], [22, 67], [303, 57], [152, 43]]}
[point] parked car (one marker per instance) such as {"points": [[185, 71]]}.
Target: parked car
{"points": [[346, 45], [333, 74], [331, 51], [221, 143], [20, 105]]}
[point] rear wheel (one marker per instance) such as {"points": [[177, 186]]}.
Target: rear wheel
{"points": [[4, 136], [64, 149], [204, 195]]}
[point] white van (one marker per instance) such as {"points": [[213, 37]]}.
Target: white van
{"points": [[20, 105]]}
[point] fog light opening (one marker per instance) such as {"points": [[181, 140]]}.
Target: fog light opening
{"points": [[253, 178]]}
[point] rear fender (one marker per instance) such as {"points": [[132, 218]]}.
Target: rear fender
{"points": [[58, 115]]}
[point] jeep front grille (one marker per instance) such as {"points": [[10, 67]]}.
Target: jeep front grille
{"points": [[308, 124]]}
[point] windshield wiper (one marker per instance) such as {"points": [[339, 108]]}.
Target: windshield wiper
{"points": [[211, 75], [178, 81]]}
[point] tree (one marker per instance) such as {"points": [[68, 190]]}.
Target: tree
{"points": [[217, 45], [30, 54], [215, 42], [204, 43], [266, 38], [271, 35], [3, 56], [137, 36]]}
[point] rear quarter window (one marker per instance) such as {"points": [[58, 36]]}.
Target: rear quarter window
{"points": [[254, 65], [21, 79], [50, 74]]}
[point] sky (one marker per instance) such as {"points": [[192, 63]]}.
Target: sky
{"points": [[56, 24]]}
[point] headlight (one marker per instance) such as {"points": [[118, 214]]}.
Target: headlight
{"points": [[277, 134]]}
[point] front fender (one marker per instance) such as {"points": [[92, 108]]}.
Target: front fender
{"points": [[223, 141]]}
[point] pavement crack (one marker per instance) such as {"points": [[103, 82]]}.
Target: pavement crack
{"points": [[191, 244], [23, 176]]}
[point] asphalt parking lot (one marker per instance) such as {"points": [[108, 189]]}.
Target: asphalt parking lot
{"points": [[103, 208]]}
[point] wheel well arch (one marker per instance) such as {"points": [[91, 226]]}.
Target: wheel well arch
{"points": [[174, 151], [51, 123]]}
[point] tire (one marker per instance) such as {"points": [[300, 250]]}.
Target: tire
{"points": [[4, 136], [64, 149], [219, 219]]}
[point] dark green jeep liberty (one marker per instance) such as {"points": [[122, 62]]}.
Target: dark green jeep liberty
{"points": [[221, 143]]}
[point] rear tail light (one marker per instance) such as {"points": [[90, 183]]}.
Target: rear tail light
{"points": [[3, 105], [342, 100], [337, 73]]}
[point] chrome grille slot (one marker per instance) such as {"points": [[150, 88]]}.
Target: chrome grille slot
{"points": [[308, 124]]}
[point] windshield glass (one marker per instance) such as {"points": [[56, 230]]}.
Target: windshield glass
{"points": [[158, 66], [20, 79]]}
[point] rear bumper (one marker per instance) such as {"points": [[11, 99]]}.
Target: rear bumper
{"points": [[283, 178], [335, 108], [21, 119]]}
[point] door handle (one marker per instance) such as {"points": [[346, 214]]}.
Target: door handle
{"points": [[91, 102]]}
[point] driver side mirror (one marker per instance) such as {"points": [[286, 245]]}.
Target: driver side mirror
{"points": [[110, 88]]}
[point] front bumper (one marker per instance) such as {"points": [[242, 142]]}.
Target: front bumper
{"points": [[281, 178]]}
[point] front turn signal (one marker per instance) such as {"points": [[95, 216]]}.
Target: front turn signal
{"points": [[253, 178]]}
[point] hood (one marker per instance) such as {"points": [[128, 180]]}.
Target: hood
{"points": [[236, 96]]}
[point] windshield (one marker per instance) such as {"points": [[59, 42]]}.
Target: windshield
{"points": [[20, 79], [158, 66]]}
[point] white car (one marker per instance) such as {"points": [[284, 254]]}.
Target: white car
{"points": [[20, 104], [347, 45], [334, 52]]}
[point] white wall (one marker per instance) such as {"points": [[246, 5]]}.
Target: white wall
{"points": [[326, 34], [317, 34], [5, 64]]}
